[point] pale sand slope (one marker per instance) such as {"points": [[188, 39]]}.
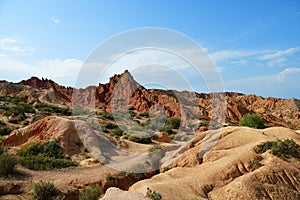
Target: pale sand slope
{"points": [[226, 173]]}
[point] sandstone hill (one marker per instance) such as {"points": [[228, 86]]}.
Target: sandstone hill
{"points": [[227, 171], [275, 111]]}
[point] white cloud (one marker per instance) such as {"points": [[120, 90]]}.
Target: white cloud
{"points": [[10, 44], [282, 84], [63, 71], [254, 57], [278, 54], [55, 20]]}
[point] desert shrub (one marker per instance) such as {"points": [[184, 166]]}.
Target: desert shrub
{"points": [[106, 115], [167, 130], [143, 138], [17, 119], [253, 121], [174, 122], [255, 164], [40, 162], [46, 156], [52, 149], [7, 164], [117, 132], [32, 149], [5, 130], [91, 192], [16, 110], [4, 107], [47, 149], [281, 148], [26, 107], [152, 194], [44, 191], [110, 126], [48, 108], [144, 114], [114, 177]]}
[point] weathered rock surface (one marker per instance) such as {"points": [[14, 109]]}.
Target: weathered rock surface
{"points": [[226, 171], [123, 91], [117, 194]]}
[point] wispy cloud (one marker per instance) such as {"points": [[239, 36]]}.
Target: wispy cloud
{"points": [[254, 57], [55, 20], [10, 44], [280, 84], [278, 54]]}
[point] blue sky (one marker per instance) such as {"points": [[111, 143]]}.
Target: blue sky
{"points": [[255, 44]]}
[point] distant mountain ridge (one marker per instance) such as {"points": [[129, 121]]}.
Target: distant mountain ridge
{"points": [[275, 111]]}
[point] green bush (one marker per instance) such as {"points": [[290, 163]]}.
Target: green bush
{"points": [[110, 126], [41, 162], [44, 191], [7, 164], [140, 138], [152, 194], [117, 132], [174, 122], [253, 121], [47, 149], [167, 130], [48, 108], [91, 192], [46, 156], [106, 115], [255, 164], [281, 148], [17, 119], [144, 114], [5, 130]]}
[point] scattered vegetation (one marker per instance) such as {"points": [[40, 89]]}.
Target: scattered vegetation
{"points": [[91, 192], [44, 156], [45, 191], [253, 121], [7, 164], [144, 114], [167, 130], [5, 130], [117, 132], [255, 164], [106, 115], [280, 148], [48, 108], [174, 122], [152, 194], [141, 137]]}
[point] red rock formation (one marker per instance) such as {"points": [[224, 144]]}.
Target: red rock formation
{"points": [[124, 89]]}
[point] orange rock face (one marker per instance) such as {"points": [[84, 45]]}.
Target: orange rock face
{"points": [[122, 91]]}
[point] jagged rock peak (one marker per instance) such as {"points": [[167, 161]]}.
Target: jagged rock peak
{"points": [[35, 82]]}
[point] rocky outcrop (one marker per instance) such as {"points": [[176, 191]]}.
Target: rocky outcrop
{"points": [[117, 194], [226, 171], [122, 91], [47, 129]]}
